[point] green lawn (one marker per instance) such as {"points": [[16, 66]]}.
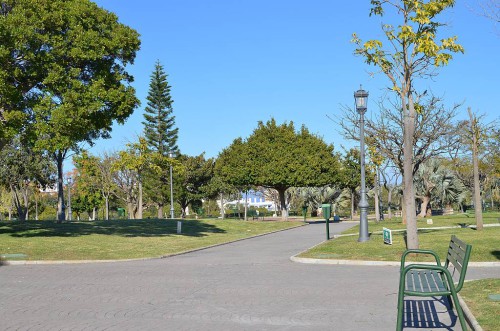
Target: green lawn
{"points": [[437, 221], [485, 244], [122, 239], [476, 295]]}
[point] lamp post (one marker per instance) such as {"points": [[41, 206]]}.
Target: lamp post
{"points": [[361, 98], [179, 225], [70, 213]]}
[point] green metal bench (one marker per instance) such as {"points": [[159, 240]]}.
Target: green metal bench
{"points": [[256, 214], [428, 280]]}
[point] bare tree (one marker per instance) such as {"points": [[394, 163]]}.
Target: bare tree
{"points": [[435, 131]]}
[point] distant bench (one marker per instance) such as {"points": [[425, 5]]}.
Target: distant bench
{"points": [[256, 215], [428, 280]]}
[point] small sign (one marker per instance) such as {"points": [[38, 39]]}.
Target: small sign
{"points": [[429, 221], [387, 236]]}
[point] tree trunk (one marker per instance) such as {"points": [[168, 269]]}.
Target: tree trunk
{"points": [[284, 211], [409, 192], [352, 205], [425, 203], [389, 201], [36, 209], [478, 210], [61, 208], [139, 206], [222, 211], [106, 198], [246, 206], [131, 212], [376, 197], [160, 210], [21, 213]]}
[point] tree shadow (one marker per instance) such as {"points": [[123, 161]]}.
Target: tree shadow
{"points": [[496, 253], [124, 228]]}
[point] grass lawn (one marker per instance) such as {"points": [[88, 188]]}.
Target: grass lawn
{"points": [[476, 295], [485, 244], [437, 221], [122, 239]]}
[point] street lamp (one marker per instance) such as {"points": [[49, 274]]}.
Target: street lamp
{"points": [[361, 98], [179, 225], [69, 181]]}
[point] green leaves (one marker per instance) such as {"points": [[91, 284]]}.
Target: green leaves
{"points": [[279, 157], [412, 46]]}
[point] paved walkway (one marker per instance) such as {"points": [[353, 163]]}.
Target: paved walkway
{"points": [[247, 285]]}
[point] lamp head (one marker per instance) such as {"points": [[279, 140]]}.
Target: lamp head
{"points": [[361, 98]]}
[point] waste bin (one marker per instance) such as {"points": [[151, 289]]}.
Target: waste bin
{"points": [[121, 212], [327, 213], [327, 210]]}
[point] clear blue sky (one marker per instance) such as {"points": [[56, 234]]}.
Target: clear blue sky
{"points": [[232, 63]]}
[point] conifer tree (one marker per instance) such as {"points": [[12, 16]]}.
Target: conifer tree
{"points": [[160, 134], [159, 123]]}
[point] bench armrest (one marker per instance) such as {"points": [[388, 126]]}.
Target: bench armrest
{"points": [[419, 251]]}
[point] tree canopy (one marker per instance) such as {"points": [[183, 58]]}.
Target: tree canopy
{"points": [[63, 74], [277, 156]]}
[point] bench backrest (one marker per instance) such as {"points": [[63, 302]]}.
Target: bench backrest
{"points": [[458, 256]]}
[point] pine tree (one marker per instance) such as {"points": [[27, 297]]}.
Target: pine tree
{"points": [[159, 125], [160, 133]]}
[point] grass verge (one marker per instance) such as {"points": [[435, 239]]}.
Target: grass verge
{"points": [[122, 239], [484, 246], [476, 296], [437, 221]]}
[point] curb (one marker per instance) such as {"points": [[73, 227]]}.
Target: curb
{"points": [[375, 263], [27, 262], [469, 317]]}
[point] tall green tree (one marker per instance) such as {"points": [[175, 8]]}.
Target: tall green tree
{"points": [[412, 51], [160, 133], [278, 157], [71, 57], [193, 183], [159, 122]]}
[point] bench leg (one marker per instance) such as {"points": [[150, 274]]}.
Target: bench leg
{"points": [[459, 310], [401, 297]]}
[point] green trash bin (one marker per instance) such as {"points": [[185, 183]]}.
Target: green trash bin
{"points": [[121, 212], [327, 213]]}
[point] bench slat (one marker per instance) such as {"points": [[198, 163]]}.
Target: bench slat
{"points": [[424, 281], [455, 260], [457, 249]]}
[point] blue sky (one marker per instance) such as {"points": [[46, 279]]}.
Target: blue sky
{"points": [[232, 63]]}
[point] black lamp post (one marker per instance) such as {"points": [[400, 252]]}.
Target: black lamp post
{"points": [[361, 98]]}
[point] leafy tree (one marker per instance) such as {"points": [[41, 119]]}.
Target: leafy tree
{"points": [[192, 184], [136, 159], [21, 168], [436, 182], [96, 176], [351, 174], [412, 52], [70, 56], [278, 157]]}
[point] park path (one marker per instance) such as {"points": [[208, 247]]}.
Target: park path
{"points": [[246, 285]]}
